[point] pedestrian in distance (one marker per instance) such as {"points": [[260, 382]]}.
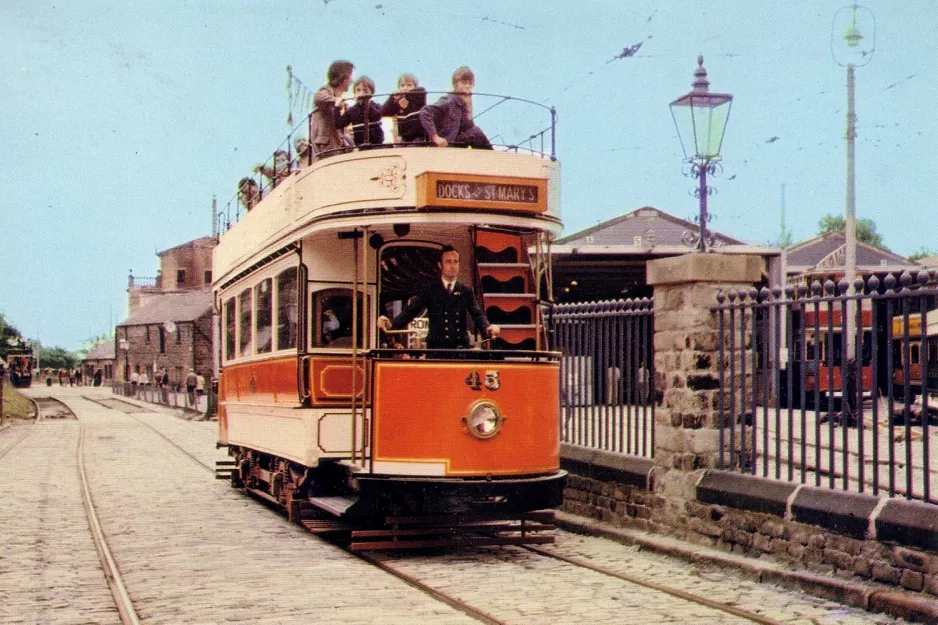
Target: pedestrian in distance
{"points": [[191, 381]]}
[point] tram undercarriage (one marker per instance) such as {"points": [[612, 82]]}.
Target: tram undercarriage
{"points": [[399, 512]]}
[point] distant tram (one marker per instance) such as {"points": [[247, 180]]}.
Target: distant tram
{"points": [[824, 353], [347, 427], [915, 354], [20, 364]]}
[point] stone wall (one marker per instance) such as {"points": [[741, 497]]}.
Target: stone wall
{"points": [[848, 535]]}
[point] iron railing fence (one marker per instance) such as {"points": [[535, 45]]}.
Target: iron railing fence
{"points": [[607, 374], [204, 404], [820, 385]]}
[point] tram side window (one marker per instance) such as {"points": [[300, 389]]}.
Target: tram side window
{"points": [[286, 309], [332, 318], [263, 300], [230, 329], [244, 322]]}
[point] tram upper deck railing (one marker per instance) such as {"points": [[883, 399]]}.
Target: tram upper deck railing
{"points": [[511, 124]]}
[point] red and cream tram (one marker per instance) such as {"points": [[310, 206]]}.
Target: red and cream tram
{"points": [[343, 425]]}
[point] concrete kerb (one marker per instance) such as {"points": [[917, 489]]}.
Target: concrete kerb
{"points": [[867, 596]]}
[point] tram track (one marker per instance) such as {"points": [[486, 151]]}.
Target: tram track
{"points": [[491, 617], [122, 600], [674, 592], [436, 574]]}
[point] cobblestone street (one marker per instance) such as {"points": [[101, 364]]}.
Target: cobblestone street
{"points": [[193, 550]]}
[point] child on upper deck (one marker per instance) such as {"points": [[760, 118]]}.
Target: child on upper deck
{"points": [[404, 106], [364, 114], [449, 121]]}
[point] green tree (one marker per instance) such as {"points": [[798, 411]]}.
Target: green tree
{"points": [[9, 337], [57, 358], [82, 351], [866, 229], [922, 253]]}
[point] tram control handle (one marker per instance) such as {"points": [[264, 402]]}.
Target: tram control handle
{"points": [[484, 344]]}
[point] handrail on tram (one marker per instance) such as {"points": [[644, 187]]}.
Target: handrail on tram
{"points": [[223, 219]]}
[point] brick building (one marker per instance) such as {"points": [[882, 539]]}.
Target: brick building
{"points": [[170, 317]]}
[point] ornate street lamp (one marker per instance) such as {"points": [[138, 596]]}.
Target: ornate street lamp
{"points": [[700, 118]]}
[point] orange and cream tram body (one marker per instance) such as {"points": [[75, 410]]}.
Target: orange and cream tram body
{"points": [[329, 417]]}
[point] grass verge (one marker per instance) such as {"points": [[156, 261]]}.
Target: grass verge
{"points": [[15, 406]]}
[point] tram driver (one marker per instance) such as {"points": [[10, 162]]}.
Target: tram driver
{"points": [[447, 302]]}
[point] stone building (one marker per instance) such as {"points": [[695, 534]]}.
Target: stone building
{"points": [[99, 358], [169, 324]]}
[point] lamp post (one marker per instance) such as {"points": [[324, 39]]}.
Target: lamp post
{"points": [[700, 118]]}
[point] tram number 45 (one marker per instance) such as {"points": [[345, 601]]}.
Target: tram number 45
{"points": [[490, 381]]}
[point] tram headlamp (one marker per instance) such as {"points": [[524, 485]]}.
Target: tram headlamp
{"points": [[484, 419]]}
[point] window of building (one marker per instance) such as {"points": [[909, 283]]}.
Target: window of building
{"points": [[208, 276], [178, 334], [331, 319], [148, 334], [180, 277], [263, 301], [244, 323], [287, 309], [162, 340], [230, 327]]}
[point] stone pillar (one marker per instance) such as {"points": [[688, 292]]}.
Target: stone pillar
{"points": [[686, 359]]}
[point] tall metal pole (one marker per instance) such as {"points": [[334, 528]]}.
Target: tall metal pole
{"points": [[852, 49], [850, 219]]}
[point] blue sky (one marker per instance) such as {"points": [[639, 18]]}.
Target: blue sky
{"points": [[119, 121]]}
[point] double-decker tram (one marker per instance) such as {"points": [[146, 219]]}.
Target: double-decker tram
{"points": [[824, 351], [355, 430], [21, 363]]}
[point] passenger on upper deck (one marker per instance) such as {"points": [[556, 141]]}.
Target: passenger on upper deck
{"points": [[279, 171], [304, 156], [404, 106], [322, 132], [446, 301], [364, 113], [248, 193], [449, 121]]}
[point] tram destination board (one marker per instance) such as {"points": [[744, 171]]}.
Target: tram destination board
{"points": [[512, 193]]}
